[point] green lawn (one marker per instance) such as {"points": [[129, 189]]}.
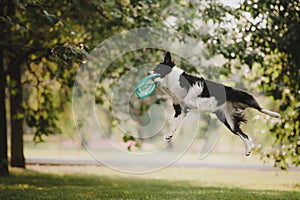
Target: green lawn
{"points": [[29, 184]]}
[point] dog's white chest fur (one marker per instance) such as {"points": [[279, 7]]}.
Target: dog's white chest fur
{"points": [[187, 97], [171, 82]]}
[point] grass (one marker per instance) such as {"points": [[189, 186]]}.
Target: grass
{"points": [[30, 184]]}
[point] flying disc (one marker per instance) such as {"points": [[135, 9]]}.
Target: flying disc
{"points": [[146, 86]]}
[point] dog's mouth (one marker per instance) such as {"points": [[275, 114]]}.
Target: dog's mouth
{"points": [[150, 73], [154, 78], [153, 75]]}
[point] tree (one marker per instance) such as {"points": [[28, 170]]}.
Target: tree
{"points": [[42, 46], [3, 128], [264, 37]]}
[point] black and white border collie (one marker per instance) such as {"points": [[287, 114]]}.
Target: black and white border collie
{"points": [[192, 92]]}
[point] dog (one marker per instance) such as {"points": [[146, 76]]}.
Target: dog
{"points": [[191, 92]]}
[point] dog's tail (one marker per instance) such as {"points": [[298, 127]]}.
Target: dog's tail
{"points": [[247, 100], [271, 113]]}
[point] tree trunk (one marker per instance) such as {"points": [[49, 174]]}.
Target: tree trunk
{"points": [[16, 119], [16, 111], [3, 125]]}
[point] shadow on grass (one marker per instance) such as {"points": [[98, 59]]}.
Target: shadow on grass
{"points": [[33, 185]]}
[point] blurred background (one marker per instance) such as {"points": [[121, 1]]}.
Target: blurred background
{"points": [[251, 45]]}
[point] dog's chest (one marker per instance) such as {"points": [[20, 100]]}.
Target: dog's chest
{"points": [[173, 84]]}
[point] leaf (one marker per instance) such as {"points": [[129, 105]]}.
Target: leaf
{"points": [[84, 52], [138, 145], [51, 20], [127, 138], [21, 5], [64, 24]]}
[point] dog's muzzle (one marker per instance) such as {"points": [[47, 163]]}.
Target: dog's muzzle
{"points": [[150, 73], [153, 78]]}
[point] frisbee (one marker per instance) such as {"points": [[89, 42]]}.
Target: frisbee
{"points": [[146, 86]]}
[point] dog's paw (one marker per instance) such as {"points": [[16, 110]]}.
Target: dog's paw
{"points": [[249, 147], [168, 137], [248, 153]]}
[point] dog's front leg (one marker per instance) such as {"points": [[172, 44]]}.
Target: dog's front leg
{"points": [[179, 115]]}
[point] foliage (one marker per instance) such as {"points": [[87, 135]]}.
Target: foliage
{"points": [[50, 39], [130, 141], [263, 36]]}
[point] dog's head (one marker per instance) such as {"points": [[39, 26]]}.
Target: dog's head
{"points": [[163, 69]]}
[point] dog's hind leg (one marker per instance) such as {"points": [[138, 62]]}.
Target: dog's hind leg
{"points": [[178, 116], [247, 141], [232, 123]]}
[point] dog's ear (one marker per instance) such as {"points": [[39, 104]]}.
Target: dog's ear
{"points": [[168, 58]]}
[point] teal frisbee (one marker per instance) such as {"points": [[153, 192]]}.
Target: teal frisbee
{"points": [[146, 86]]}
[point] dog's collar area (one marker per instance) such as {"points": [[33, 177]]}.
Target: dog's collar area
{"points": [[177, 70]]}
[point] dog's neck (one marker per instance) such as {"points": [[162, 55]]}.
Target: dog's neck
{"points": [[177, 70]]}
